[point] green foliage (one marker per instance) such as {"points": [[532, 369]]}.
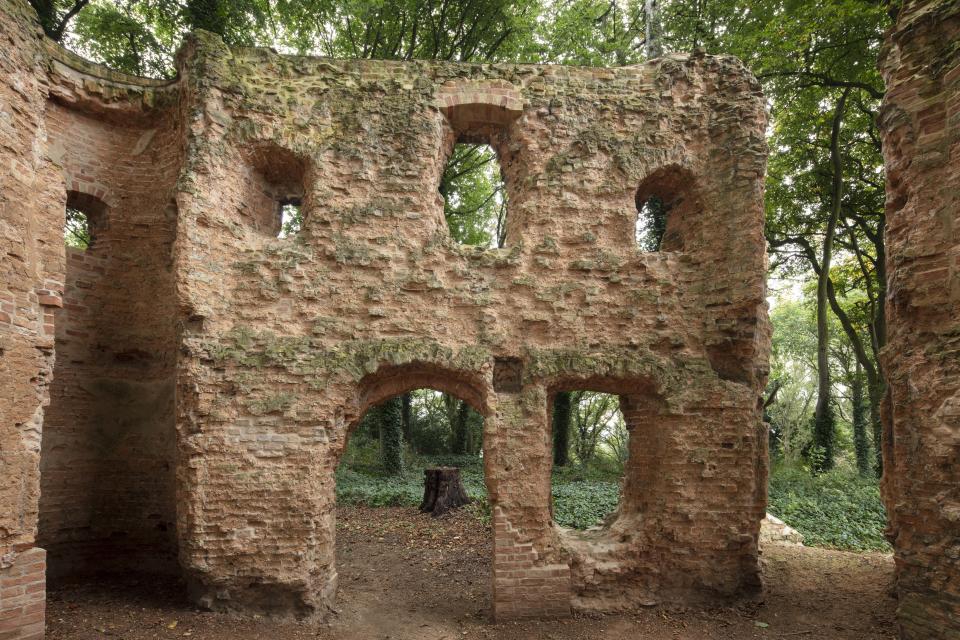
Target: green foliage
{"points": [[598, 426], [836, 509], [360, 482], [484, 30], [581, 505], [824, 430], [387, 419], [76, 232], [651, 223], [582, 496], [127, 36], [474, 196], [596, 33], [291, 219]]}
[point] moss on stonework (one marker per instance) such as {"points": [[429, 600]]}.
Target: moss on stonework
{"points": [[317, 364], [559, 364], [274, 403]]}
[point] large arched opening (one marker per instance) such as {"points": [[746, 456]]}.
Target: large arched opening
{"points": [[435, 565]]}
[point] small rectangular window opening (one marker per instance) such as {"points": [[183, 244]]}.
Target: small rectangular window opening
{"points": [[76, 232], [291, 218]]}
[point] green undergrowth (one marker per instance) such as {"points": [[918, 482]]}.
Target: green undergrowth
{"points": [[837, 509], [581, 497]]}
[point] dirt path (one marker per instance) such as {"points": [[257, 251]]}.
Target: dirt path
{"points": [[404, 576]]}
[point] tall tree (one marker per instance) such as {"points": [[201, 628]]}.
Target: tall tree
{"points": [[652, 45], [823, 418], [56, 15], [561, 429], [806, 55], [388, 416], [407, 414], [593, 414], [861, 445]]}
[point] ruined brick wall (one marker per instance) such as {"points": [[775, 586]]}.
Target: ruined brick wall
{"points": [[278, 346], [920, 119], [87, 339], [287, 341]]}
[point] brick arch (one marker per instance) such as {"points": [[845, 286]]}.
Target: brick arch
{"points": [[483, 112], [393, 380], [475, 107]]}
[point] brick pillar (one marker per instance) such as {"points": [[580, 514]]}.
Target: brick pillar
{"points": [[531, 574], [22, 595]]}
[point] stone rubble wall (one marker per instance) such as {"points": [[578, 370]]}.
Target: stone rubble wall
{"points": [[920, 119]]}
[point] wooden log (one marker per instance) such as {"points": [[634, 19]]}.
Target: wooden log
{"points": [[442, 490]]}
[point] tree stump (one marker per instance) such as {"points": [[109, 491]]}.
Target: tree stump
{"points": [[442, 490]]}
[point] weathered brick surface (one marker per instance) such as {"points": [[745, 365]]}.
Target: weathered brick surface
{"points": [[31, 277], [22, 595], [921, 124], [278, 346], [289, 341]]}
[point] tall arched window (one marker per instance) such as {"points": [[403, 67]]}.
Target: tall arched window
{"points": [[475, 196]]}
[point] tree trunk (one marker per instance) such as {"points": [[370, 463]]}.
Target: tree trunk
{"points": [[561, 429], [876, 389], [407, 414], [47, 13], [823, 419], [442, 490], [389, 417], [457, 413], [652, 48], [859, 409]]}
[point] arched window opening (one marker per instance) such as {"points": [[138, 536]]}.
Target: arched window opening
{"points": [[668, 211], [475, 196], [76, 233], [651, 223], [590, 451], [398, 438], [273, 202]]}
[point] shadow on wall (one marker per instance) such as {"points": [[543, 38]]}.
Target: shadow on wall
{"points": [[107, 463]]}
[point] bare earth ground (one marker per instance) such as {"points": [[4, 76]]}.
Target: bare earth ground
{"points": [[404, 575]]}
